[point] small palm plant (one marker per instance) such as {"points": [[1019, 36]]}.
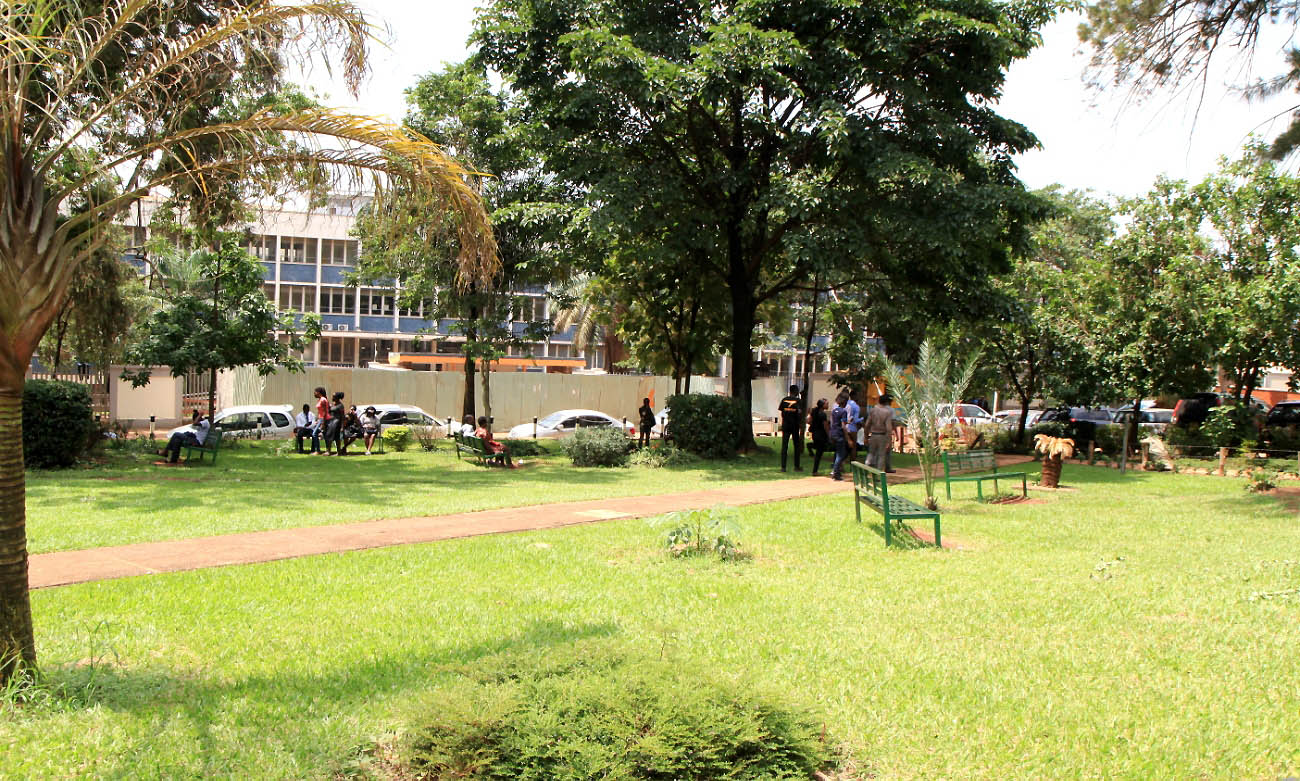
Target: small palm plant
{"points": [[1055, 450]]}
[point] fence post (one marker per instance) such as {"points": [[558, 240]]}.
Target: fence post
{"points": [[1092, 451], [534, 427], [1146, 453], [152, 418], [448, 425], [1223, 461]]}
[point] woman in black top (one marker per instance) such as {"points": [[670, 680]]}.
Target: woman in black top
{"points": [[818, 427], [647, 423], [335, 431]]}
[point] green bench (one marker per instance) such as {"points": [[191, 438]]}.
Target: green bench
{"points": [[210, 445], [977, 466], [871, 487], [473, 446]]}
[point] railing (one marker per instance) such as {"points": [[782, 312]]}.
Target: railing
{"points": [[194, 392], [96, 380]]}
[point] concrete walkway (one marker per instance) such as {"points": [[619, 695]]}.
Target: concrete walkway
{"points": [[150, 558]]}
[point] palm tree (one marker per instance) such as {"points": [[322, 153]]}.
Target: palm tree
{"points": [[577, 306], [96, 90]]}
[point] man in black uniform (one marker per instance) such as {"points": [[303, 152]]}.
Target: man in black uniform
{"points": [[792, 426]]}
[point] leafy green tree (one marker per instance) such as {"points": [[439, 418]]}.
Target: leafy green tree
{"points": [[217, 317], [1165, 44], [1253, 212], [115, 84], [772, 140]]}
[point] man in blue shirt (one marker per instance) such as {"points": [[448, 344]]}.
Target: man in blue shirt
{"points": [[195, 436], [853, 423], [839, 435]]}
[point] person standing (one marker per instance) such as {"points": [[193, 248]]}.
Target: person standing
{"points": [[854, 423], [880, 430], [334, 429], [791, 409], [839, 434], [819, 429], [322, 419], [647, 422]]}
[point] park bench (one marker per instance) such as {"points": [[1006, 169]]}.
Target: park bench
{"points": [[210, 445], [977, 466], [871, 487], [471, 445]]}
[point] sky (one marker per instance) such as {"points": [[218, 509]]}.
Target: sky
{"points": [[1102, 142]]}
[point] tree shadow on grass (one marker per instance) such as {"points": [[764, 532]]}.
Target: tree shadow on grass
{"points": [[201, 701], [901, 537]]}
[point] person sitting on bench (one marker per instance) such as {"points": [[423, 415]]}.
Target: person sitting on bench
{"points": [[370, 427], [198, 434], [483, 433]]}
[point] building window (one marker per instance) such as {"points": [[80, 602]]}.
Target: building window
{"points": [[560, 351], [424, 309], [338, 350], [528, 309], [338, 252], [262, 248], [299, 298], [297, 249], [338, 301], [377, 303]]}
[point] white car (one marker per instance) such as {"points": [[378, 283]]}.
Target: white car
{"points": [[403, 415], [1154, 418], [965, 414], [274, 421], [567, 421], [1010, 418]]}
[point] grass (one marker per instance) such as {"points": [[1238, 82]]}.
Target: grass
{"points": [[1140, 626], [127, 499]]}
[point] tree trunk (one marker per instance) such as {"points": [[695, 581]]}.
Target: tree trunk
{"points": [[742, 361], [467, 405], [212, 393], [487, 392], [17, 641]]}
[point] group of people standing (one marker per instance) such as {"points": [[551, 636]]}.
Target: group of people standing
{"points": [[334, 426], [837, 429]]}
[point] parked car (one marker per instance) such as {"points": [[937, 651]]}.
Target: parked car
{"points": [[404, 415], [965, 414], [1196, 408], [567, 421], [1153, 418], [275, 421], [1082, 422], [1010, 418], [1285, 413]]}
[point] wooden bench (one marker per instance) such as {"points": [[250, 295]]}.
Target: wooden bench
{"points": [[210, 445], [977, 466], [871, 487], [473, 446]]}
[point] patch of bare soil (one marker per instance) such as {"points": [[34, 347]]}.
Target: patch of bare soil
{"points": [[1064, 488], [1016, 500], [1289, 495]]}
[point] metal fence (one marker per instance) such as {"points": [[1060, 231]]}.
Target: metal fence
{"points": [[96, 380]]}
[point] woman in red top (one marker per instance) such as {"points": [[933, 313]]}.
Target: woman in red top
{"points": [[322, 415], [484, 434]]}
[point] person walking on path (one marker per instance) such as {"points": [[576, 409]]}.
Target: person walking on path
{"points": [[791, 409], [322, 420], [839, 434], [647, 422], [819, 429], [880, 430], [854, 422]]}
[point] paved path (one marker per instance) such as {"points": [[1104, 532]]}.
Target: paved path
{"points": [[150, 558]]}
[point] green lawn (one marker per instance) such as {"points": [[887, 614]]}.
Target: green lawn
{"points": [[251, 488], [1141, 626]]}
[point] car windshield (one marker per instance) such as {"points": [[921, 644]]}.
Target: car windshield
{"points": [[970, 411], [1092, 414], [552, 420]]}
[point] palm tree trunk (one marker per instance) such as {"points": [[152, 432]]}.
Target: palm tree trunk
{"points": [[1051, 476], [17, 641]]}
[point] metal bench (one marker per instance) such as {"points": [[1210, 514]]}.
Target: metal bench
{"points": [[210, 445], [474, 446], [977, 466], [871, 487]]}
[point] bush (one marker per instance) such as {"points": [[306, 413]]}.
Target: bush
{"points": [[426, 436], [1261, 480], [1111, 440], [598, 446], [603, 717], [519, 448], [57, 423], [1228, 425], [1052, 428], [664, 455], [397, 437], [708, 426]]}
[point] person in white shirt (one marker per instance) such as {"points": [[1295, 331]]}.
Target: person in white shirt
{"points": [[467, 426], [369, 427], [304, 425], [197, 434]]}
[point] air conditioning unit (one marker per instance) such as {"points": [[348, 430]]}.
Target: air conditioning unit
{"points": [[327, 327], [341, 328]]}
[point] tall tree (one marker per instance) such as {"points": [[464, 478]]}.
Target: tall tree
{"points": [[482, 128], [120, 79], [1171, 43], [1253, 211], [774, 138]]}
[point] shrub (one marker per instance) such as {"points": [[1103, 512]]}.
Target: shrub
{"points": [[608, 718], [397, 437], [519, 448], [57, 423], [1110, 439], [1261, 480], [426, 436], [598, 446], [1052, 428], [1228, 425], [708, 426], [664, 455]]}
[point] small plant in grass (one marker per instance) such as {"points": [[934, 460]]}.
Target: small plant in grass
{"points": [[598, 446], [1261, 480], [523, 448], [1054, 451], [657, 457], [397, 437], [425, 436], [703, 533]]}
